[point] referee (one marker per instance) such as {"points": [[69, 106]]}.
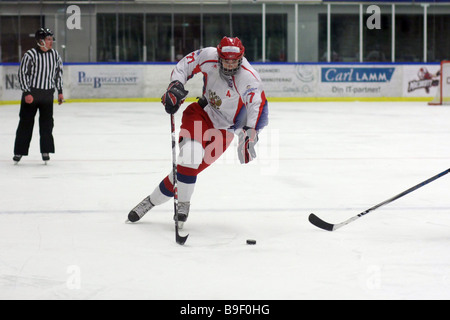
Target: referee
{"points": [[40, 72]]}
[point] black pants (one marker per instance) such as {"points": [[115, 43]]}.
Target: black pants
{"points": [[42, 101]]}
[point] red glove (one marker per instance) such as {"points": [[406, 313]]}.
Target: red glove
{"points": [[174, 97]]}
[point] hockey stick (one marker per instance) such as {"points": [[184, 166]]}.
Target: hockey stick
{"points": [[179, 239], [315, 220]]}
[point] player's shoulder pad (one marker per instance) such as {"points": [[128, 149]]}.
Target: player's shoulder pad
{"points": [[209, 53]]}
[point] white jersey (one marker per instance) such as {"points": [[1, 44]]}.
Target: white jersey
{"points": [[235, 101]]}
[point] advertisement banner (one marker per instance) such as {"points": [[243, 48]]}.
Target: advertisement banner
{"points": [[420, 80], [106, 81], [288, 80], [124, 81], [157, 79], [360, 81], [10, 84], [2, 81]]}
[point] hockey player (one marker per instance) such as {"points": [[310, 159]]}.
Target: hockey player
{"points": [[233, 102]]}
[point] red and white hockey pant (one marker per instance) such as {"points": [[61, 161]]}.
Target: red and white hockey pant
{"points": [[200, 145]]}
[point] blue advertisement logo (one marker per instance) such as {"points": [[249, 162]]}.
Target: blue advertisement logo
{"points": [[98, 81], [338, 74]]}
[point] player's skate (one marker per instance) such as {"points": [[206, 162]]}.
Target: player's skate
{"points": [[183, 213], [140, 210]]}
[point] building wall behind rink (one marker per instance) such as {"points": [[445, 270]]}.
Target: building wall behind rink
{"points": [[282, 81]]}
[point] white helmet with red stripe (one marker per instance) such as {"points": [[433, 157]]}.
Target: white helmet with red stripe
{"points": [[230, 49]]}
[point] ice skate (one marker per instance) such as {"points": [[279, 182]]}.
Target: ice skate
{"points": [[140, 210], [17, 158], [183, 213], [45, 157]]}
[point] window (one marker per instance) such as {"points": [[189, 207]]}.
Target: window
{"points": [[158, 37], [125, 33], [15, 31], [408, 38], [252, 41], [106, 37], [122, 33], [215, 27], [377, 42], [344, 37], [438, 38], [276, 37], [131, 37], [186, 34]]}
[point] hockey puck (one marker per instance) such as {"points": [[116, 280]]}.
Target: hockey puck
{"points": [[250, 241]]}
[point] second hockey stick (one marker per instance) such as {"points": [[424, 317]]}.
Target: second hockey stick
{"points": [[315, 220]]}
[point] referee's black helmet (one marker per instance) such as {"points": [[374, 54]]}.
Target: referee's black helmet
{"points": [[43, 33]]}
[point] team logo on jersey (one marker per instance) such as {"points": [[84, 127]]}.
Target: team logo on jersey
{"points": [[249, 89], [214, 100]]}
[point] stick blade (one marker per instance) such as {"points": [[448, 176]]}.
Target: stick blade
{"points": [[181, 240], [178, 238], [315, 220]]}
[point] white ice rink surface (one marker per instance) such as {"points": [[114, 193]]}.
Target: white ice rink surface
{"points": [[63, 236]]}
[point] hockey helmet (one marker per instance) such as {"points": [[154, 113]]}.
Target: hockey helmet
{"points": [[43, 33], [230, 49]]}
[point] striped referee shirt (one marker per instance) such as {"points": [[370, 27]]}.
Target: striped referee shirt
{"points": [[41, 70]]}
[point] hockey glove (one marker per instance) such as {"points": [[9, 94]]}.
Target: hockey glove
{"points": [[174, 97], [202, 101], [246, 145]]}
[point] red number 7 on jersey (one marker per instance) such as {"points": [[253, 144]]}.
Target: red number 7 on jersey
{"points": [[251, 94]]}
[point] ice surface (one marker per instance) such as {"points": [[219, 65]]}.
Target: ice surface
{"points": [[63, 236]]}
